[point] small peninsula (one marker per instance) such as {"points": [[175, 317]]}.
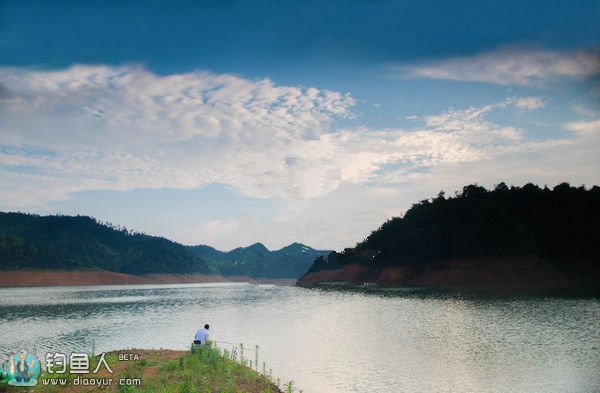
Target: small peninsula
{"points": [[505, 240]]}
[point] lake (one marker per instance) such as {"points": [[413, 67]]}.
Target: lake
{"points": [[327, 341]]}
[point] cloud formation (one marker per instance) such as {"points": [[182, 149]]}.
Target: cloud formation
{"points": [[530, 103], [125, 128], [508, 66], [585, 127]]}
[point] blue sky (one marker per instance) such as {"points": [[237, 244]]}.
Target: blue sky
{"points": [[232, 122]]}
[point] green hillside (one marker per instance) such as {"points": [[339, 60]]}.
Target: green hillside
{"points": [[560, 225], [30, 241], [63, 242]]}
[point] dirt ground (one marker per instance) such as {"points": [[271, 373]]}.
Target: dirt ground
{"points": [[38, 278]]}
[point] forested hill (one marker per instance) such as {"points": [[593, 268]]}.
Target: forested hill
{"points": [[504, 238], [63, 242], [66, 243], [558, 224]]}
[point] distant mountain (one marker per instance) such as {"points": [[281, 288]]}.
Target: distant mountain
{"points": [[257, 261], [29, 241]]}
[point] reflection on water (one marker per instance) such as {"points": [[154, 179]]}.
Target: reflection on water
{"points": [[329, 341]]}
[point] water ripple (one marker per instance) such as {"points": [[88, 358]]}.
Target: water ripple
{"points": [[330, 341]]}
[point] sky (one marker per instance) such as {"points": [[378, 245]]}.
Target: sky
{"points": [[233, 122]]}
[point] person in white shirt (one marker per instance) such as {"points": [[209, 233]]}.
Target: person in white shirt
{"points": [[201, 336]]}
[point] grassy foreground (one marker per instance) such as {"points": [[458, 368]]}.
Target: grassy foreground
{"points": [[204, 370]]}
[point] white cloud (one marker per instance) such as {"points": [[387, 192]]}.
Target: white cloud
{"points": [[349, 213], [530, 103], [125, 128], [506, 66], [585, 127], [575, 160]]}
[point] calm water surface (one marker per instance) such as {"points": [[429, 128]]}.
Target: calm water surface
{"points": [[329, 342]]}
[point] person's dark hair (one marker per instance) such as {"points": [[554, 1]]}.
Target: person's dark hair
{"points": [[206, 326]]}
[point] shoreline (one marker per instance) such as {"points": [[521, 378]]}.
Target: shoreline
{"points": [[465, 293], [511, 275], [53, 278]]}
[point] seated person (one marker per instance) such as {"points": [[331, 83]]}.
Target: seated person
{"points": [[201, 336]]}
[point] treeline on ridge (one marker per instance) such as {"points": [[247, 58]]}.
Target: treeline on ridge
{"points": [[560, 225], [81, 242], [58, 242]]}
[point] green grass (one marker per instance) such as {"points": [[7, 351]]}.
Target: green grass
{"points": [[207, 369]]}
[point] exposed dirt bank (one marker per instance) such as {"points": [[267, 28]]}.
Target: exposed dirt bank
{"points": [[522, 273], [39, 278]]}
